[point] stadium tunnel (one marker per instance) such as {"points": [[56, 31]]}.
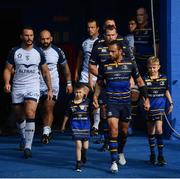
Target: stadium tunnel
{"points": [[67, 21]]}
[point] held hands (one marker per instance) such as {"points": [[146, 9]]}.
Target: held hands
{"points": [[7, 88], [146, 104], [69, 89], [95, 102], [49, 95], [170, 108]]}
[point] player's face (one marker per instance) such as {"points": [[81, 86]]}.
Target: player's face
{"points": [[27, 37], [132, 25], [153, 68], [92, 29], [114, 52], [79, 93], [110, 35], [141, 16], [45, 39]]}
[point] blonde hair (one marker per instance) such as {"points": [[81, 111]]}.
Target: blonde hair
{"points": [[152, 60]]}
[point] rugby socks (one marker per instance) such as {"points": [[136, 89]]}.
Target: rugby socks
{"points": [[21, 127], [113, 148], [159, 138], [122, 138], [29, 132], [105, 132], [46, 130], [96, 114], [151, 139]]}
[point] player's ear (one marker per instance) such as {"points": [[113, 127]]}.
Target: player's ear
{"points": [[51, 38]]}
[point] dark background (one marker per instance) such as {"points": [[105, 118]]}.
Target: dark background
{"points": [[67, 21]]}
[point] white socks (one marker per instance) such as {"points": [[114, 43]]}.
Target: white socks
{"points": [[96, 113], [29, 134], [46, 130]]}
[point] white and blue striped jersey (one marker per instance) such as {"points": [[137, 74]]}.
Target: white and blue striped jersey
{"points": [[87, 46], [26, 64], [53, 56]]}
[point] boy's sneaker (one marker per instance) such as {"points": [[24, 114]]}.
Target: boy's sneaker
{"points": [[153, 159], [46, 138], [22, 145], [161, 161], [78, 167], [114, 167], [27, 153], [122, 160]]}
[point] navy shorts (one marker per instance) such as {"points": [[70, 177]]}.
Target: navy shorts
{"points": [[120, 111], [155, 118]]}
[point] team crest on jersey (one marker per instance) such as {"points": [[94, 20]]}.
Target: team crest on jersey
{"points": [[109, 113], [162, 83], [103, 50], [155, 92], [19, 55], [109, 68], [149, 83], [27, 57], [145, 32], [82, 107], [124, 67]]}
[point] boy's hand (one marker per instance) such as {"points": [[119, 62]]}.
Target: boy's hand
{"points": [[146, 104], [170, 108]]}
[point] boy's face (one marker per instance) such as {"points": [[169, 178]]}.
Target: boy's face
{"points": [[79, 93], [153, 68]]}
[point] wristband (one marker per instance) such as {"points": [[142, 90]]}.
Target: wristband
{"points": [[69, 83], [143, 91]]}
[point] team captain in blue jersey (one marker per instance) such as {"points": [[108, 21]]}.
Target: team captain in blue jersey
{"points": [[25, 61], [55, 58], [116, 73], [158, 92]]}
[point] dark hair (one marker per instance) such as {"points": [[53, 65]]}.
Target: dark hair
{"points": [[93, 20], [26, 27], [132, 19], [116, 42], [109, 27]]}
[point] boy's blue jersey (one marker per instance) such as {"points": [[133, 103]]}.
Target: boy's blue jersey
{"points": [[156, 92], [117, 79], [79, 119]]}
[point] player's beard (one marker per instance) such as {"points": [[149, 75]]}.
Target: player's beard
{"points": [[46, 45], [28, 43]]}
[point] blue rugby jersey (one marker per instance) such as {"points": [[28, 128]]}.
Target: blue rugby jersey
{"points": [[117, 79], [156, 93], [143, 43], [100, 50], [79, 118]]}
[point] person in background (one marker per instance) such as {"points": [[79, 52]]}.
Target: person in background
{"points": [[82, 74], [55, 58]]}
